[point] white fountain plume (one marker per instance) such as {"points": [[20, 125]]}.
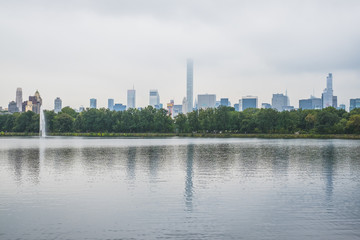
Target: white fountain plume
{"points": [[42, 130]]}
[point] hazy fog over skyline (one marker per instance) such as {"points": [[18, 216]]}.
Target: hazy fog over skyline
{"points": [[77, 50]]}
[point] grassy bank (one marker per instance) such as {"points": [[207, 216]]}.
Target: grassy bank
{"points": [[196, 135]]}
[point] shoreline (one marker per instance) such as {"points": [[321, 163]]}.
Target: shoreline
{"points": [[191, 135]]}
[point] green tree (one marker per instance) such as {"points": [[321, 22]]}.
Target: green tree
{"points": [[63, 122]]}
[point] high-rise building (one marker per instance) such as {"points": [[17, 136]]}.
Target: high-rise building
{"points": [[184, 105], [34, 103], [327, 96], [131, 98], [93, 103], [354, 103], [224, 102], [249, 102], [111, 104], [311, 103], [189, 84], [19, 99], [266, 105], [170, 107], [279, 101], [12, 107], [342, 106], [335, 105], [236, 106], [177, 109], [57, 105], [154, 99], [206, 101], [119, 107]]}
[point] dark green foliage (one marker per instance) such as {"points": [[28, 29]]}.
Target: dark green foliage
{"points": [[207, 121]]}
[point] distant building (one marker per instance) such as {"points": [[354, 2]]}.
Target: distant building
{"points": [[184, 105], [170, 107], [34, 103], [131, 94], [206, 101], [81, 109], [12, 107], [224, 102], [240, 105], [311, 103], [236, 106], [288, 108], [249, 102], [354, 103], [93, 103], [327, 96], [217, 104], [189, 84], [111, 104], [57, 105], [266, 105], [335, 105], [342, 106], [279, 101], [119, 107], [154, 98], [19, 99], [177, 109]]}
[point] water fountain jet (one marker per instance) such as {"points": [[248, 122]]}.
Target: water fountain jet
{"points": [[42, 129]]}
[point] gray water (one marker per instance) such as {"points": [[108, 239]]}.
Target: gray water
{"points": [[178, 188]]}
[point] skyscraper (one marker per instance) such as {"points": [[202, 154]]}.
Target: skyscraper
{"points": [[354, 103], [249, 102], [19, 99], [327, 96], [57, 105], [111, 104], [224, 102], [131, 98], [93, 103], [279, 101], [189, 85], [206, 101], [154, 98]]}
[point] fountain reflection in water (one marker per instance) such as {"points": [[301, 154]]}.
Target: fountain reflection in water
{"points": [[42, 129]]}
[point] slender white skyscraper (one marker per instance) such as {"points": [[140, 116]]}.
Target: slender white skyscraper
{"points": [[19, 99], [327, 96], [131, 98], [189, 85]]}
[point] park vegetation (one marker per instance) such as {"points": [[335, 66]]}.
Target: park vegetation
{"points": [[208, 121]]}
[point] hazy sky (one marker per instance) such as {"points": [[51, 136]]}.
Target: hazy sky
{"points": [[77, 50]]}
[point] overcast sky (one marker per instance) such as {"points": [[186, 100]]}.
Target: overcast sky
{"points": [[77, 50]]}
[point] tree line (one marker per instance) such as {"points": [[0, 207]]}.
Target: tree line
{"points": [[212, 120]]}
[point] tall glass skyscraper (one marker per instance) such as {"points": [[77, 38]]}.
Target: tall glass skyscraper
{"points": [[189, 85], [92, 103], [131, 98], [111, 104], [327, 96], [19, 99]]}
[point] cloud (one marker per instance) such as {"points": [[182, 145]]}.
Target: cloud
{"points": [[101, 48]]}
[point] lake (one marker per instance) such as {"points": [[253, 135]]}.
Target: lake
{"points": [[179, 188]]}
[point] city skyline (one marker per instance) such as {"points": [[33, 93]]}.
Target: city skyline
{"points": [[273, 46]]}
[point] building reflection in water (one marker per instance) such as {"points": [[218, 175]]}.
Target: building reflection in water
{"points": [[131, 163], [25, 162], [328, 155], [189, 178]]}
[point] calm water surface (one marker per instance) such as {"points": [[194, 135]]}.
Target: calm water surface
{"points": [[178, 188]]}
